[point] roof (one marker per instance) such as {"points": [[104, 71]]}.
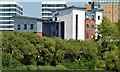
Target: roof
{"points": [[40, 19], [96, 9], [70, 8]]}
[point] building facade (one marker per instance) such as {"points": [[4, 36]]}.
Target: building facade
{"points": [[47, 7], [111, 8], [7, 10], [74, 23], [28, 24]]}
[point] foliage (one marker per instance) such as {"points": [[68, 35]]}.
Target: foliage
{"points": [[29, 51]]}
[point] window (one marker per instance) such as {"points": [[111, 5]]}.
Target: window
{"points": [[115, 7], [118, 12], [25, 26], [119, 7], [115, 17], [102, 12], [102, 7], [87, 26], [18, 27], [105, 7], [98, 17], [105, 12], [76, 26], [92, 17], [109, 17], [87, 36], [92, 27], [115, 12], [92, 36], [109, 7], [31, 26], [109, 12]]}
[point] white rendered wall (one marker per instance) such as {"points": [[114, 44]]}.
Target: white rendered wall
{"points": [[98, 22], [81, 24], [69, 18]]}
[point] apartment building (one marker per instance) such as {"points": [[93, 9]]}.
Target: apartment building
{"points": [[73, 23], [47, 7], [111, 8], [7, 10]]}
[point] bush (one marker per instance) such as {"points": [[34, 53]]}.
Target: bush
{"points": [[60, 67], [47, 68], [32, 67], [15, 63], [5, 59], [32, 62]]}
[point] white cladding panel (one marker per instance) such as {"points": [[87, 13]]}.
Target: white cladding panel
{"points": [[69, 18], [81, 24], [98, 13], [66, 16]]}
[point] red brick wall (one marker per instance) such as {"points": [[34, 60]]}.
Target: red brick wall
{"points": [[89, 31], [39, 33]]}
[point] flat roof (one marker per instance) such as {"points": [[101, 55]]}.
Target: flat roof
{"points": [[41, 19], [70, 8], [96, 9]]}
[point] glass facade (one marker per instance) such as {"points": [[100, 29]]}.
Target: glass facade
{"points": [[48, 7], [7, 11], [98, 2]]}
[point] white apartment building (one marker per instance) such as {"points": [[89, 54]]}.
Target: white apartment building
{"points": [[48, 6], [7, 10]]}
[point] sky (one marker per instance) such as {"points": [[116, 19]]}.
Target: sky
{"points": [[33, 7]]}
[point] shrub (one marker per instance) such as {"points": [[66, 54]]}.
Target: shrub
{"points": [[32, 62], [32, 67], [47, 68], [5, 59], [60, 67], [15, 63]]}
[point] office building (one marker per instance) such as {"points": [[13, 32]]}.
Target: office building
{"points": [[111, 8], [7, 10], [47, 7], [28, 24], [73, 23]]}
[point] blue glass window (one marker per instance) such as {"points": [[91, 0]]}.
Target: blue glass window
{"points": [[105, 7], [105, 12], [87, 36], [109, 17], [92, 26], [115, 12], [87, 26], [102, 7], [115, 7], [118, 12], [109, 7], [92, 36], [115, 17], [109, 12]]}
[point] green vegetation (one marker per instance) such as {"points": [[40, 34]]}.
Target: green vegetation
{"points": [[29, 51]]}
